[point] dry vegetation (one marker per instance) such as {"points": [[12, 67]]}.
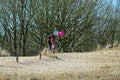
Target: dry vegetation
{"points": [[97, 65], [4, 53]]}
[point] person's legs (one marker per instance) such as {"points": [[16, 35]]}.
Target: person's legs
{"points": [[50, 45]]}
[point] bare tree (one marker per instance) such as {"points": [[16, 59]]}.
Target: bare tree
{"points": [[25, 24]]}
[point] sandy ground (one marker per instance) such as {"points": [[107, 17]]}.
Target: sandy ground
{"points": [[82, 62]]}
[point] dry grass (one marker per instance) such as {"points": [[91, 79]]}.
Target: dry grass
{"points": [[103, 74], [48, 53], [97, 65], [4, 53]]}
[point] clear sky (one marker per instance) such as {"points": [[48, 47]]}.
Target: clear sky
{"points": [[113, 2]]}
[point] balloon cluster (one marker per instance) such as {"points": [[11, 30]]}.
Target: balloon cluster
{"points": [[57, 33]]}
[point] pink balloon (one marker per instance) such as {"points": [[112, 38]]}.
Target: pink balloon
{"points": [[61, 34]]}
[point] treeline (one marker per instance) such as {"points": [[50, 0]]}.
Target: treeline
{"points": [[25, 24]]}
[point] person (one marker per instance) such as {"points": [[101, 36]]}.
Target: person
{"points": [[54, 45], [49, 41]]}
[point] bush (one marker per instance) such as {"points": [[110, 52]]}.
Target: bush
{"points": [[4, 53]]}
